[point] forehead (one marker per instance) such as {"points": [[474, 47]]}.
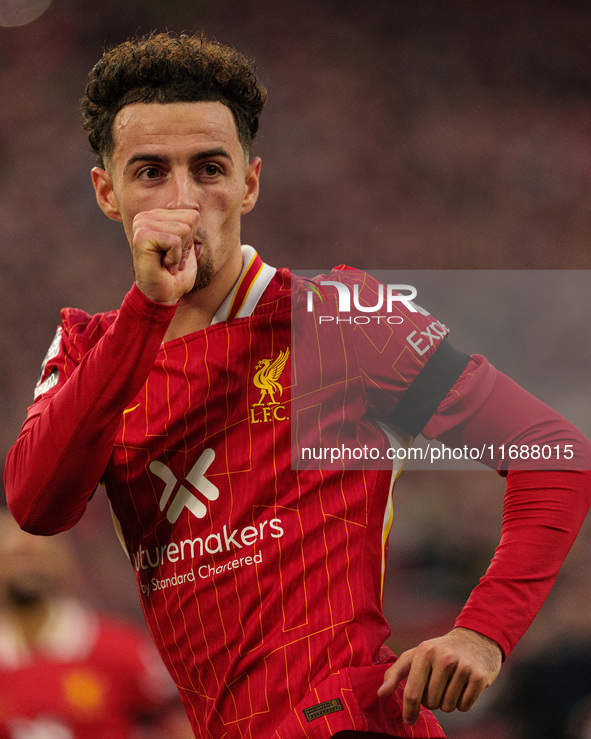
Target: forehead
{"points": [[15, 541], [150, 127]]}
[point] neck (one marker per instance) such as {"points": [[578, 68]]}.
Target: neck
{"points": [[189, 317], [197, 309]]}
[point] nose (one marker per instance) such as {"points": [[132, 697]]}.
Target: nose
{"points": [[183, 193]]}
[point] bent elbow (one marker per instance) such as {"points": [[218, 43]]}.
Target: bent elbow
{"points": [[32, 506]]}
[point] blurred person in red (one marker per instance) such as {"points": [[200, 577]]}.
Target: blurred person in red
{"points": [[67, 672]]}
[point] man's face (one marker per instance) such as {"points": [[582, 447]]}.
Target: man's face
{"points": [[183, 155], [31, 567]]}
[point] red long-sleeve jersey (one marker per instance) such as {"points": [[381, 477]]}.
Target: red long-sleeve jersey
{"points": [[261, 577], [88, 675]]}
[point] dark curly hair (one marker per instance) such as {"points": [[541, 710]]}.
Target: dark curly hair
{"points": [[168, 68]]}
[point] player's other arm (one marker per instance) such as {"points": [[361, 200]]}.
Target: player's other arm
{"points": [[64, 445], [546, 502]]}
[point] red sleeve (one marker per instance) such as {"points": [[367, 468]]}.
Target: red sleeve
{"points": [[545, 502], [67, 439]]}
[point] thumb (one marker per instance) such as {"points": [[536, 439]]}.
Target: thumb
{"points": [[396, 673]]}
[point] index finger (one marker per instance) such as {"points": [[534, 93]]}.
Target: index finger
{"points": [[396, 673], [188, 215]]}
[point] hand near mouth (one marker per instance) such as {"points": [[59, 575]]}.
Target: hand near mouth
{"points": [[165, 252]]}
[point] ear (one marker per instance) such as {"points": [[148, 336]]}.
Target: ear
{"points": [[251, 185], [103, 188]]}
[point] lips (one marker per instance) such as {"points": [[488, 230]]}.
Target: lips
{"points": [[198, 246]]}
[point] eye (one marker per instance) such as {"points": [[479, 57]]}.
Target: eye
{"points": [[210, 169], [149, 173]]}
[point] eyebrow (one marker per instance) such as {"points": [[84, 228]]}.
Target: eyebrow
{"points": [[161, 159]]}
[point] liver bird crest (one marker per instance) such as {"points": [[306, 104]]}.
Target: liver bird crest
{"points": [[267, 378]]}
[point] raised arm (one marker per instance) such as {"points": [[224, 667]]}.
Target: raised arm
{"points": [[64, 446]]}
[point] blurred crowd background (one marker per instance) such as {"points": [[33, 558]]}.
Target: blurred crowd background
{"points": [[443, 135]]}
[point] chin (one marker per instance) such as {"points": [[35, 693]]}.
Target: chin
{"points": [[205, 274]]}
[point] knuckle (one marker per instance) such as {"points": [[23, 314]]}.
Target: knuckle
{"points": [[140, 219], [478, 677], [412, 698], [426, 649], [448, 659]]}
